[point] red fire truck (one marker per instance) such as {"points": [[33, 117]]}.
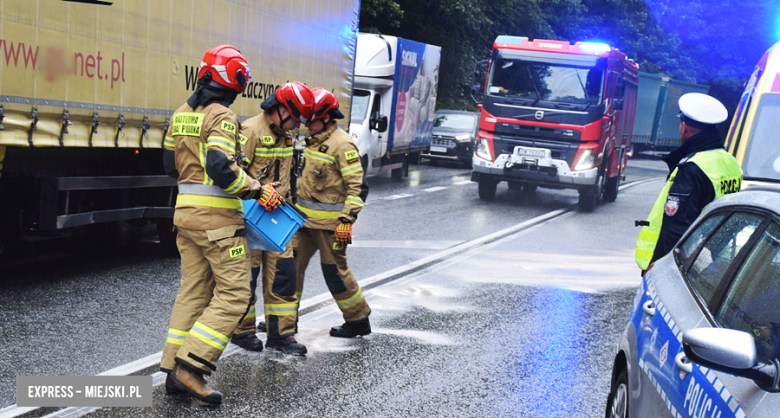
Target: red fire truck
{"points": [[554, 115]]}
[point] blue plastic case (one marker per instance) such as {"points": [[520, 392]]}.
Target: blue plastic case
{"points": [[270, 231]]}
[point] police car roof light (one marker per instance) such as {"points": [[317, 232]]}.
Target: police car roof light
{"points": [[594, 47]]}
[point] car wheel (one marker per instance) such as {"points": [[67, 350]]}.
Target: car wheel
{"points": [[617, 401], [514, 185], [433, 162], [529, 188], [487, 188]]}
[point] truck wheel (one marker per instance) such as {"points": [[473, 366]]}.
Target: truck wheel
{"points": [[589, 196], [487, 188], [529, 188], [611, 188], [397, 175], [167, 236], [514, 185]]}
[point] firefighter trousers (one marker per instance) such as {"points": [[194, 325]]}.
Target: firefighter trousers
{"points": [[213, 296], [338, 277], [280, 306]]}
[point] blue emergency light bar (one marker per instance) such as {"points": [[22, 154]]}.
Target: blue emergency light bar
{"points": [[503, 39], [594, 47]]}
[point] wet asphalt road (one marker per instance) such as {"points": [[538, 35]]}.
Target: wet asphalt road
{"points": [[525, 326]]}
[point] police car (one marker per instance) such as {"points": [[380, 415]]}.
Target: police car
{"points": [[703, 338]]}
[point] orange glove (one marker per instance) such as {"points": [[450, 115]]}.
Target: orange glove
{"points": [[344, 233], [270, 198]]}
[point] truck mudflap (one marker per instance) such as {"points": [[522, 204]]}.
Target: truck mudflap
{"points": [[542, 169]]}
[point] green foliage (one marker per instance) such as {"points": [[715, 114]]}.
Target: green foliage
{"points": [[714, 43]]}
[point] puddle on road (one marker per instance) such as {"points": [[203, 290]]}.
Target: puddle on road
{"points": [[403, 296]]}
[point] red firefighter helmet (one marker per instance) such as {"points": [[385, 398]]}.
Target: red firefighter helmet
{"points": [[294, 96], [227, 67], [325, 102]]}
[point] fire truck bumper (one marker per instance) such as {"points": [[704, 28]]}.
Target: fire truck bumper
{"points": [[555, 173]]}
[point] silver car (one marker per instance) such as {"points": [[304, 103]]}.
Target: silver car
{"points": [[704, 334]]}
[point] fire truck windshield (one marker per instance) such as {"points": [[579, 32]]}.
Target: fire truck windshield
{"points": [[539, 81]]}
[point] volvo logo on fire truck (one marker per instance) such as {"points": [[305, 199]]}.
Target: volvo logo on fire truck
{"points": [[539, 115]]}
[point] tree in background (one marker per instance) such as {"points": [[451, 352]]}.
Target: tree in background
{"points": [[714, 43]]}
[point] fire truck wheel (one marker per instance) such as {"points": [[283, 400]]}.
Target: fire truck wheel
{"points": [[487, 188], [589, 196], [611, 188]]}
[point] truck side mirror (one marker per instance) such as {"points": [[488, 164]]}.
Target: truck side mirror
{"points": [[377, 122], [477, 79], [475, 90]]}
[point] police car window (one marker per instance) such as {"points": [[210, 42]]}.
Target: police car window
{"points": [[701, 232], [751, 304], [720, 250]]}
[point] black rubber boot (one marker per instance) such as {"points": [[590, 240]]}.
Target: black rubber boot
{"points": [[261, 327], [352, 329], [286, 345], [248, 341], [191, 381], [170, 386]]}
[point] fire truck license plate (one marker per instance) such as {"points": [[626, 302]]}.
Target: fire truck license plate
{"points": [[530, 152]]}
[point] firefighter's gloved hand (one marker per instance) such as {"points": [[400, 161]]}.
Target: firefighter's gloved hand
{"points": [[344, 233], [270, 199]]}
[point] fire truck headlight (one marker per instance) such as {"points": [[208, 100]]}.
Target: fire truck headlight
{"points": [[586, 160], [483, 150]]}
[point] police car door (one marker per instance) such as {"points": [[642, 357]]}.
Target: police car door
{"points": [[705, 258]]}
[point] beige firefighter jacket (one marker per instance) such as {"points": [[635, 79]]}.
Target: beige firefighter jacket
{"points": [[331, 185], [268, 151], [206, 137]]}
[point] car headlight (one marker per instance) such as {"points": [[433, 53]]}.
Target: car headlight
{"points": [[483, 150], [464, 137], [586, 160]]}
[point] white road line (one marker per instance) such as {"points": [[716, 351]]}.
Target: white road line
{"points": [[463, 182], [434, 189], [159, 377], [416, 244], [397, 196]]}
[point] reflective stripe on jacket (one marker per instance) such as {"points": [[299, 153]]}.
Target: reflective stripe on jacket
{"points": [[268, 152]]}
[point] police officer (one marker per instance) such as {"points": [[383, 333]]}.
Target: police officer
{"points": [[331, 191], [268, 145], [700, 172], [201, 151]]}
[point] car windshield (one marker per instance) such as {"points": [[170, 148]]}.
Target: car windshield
{"points": [[762, 157], [360, 101], [547, 82], [454, 122]]}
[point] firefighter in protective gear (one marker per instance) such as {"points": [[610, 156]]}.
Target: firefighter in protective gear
{"points": [[331, 191], [266, 139], [202, 152], [700, 171]]}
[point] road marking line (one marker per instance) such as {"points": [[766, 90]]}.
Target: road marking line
{"points": [[424, 245], [323, 300], [434, 189], [397, 196], [462, 182]]}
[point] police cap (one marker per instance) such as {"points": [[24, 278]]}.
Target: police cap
{"points": [[702, 111]]}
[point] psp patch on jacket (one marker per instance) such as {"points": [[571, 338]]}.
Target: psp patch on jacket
{"points": [[228, 127], [268, 140], [323, 149], [672, 205], [352, 156]]}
